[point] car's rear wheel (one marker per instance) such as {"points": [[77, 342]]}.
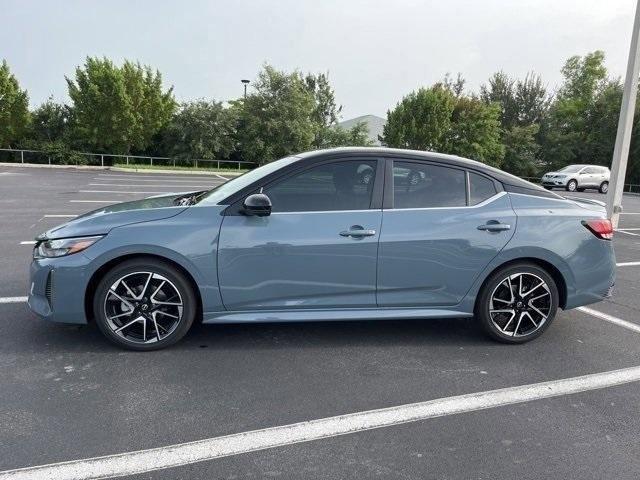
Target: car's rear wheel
{"points": [[604, 187], [144, 304], [517, 303], [572, 186]]}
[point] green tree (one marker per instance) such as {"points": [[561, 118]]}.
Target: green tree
{"points": [[475, 131], [523, 104], [14, 108], [356, 136], [568, 130], [277, 119], [201, 129], [118, 109], [421, 120], [444, 119], [49, 122], [325, 111]]}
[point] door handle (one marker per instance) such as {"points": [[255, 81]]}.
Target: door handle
{"points": [[494, 227], [356, 231]]}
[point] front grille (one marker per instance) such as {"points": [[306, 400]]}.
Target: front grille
{"points": [[48, 290]]}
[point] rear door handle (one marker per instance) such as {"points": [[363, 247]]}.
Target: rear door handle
{"points": [[494, 227], [356, 231]]}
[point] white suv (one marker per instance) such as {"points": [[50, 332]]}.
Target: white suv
{"points": [[578, 178]]}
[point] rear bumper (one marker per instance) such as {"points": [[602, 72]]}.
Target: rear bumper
{"points": [[594, 282], [57, 288]]}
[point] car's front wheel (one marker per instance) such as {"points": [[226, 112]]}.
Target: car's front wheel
{"points": [[144, 304], [517, 303], [572, 186]]}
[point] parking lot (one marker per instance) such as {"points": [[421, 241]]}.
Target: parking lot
{"points": [[67, 394]]}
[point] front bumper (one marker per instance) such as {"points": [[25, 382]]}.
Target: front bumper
{"points": [[57, 288], [554, 182]]}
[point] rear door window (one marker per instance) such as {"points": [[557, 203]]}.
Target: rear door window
{"points": [[423, 185]]}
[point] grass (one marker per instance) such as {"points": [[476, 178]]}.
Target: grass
{"points": [[179, 168]]}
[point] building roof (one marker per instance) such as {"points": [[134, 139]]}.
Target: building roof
{"points": [[375, 126]]}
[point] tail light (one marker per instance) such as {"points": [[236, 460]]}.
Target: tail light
{"points": [[600, 227]]}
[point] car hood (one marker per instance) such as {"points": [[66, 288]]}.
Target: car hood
{"points": [[102, 220]]}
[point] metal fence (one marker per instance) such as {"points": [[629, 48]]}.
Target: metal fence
{"points": [[39, 157]]}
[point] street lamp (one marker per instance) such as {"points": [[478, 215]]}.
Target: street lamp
{"points": [[245, 82]]}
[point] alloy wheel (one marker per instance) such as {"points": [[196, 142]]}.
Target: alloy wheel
{"points": [[520, 304], [143, 307]]}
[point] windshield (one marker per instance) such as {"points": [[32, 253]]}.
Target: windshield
{"points": [[572, 168], [212, 197]]}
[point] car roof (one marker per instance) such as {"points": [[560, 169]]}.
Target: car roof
{"points": [[503, 177]]}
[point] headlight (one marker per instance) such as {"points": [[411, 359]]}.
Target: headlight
{"points": [[561, 176], [63, 246]]}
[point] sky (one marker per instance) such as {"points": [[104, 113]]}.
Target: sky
{"points": [[375, 51]]}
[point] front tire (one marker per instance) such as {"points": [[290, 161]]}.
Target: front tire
{"points": [[517, 303], [604, 187], [572, 186], [144, 304]]}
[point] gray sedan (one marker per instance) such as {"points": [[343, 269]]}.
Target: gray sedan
{"points": [[343, 234]]}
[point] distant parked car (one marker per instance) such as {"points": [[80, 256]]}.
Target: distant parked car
{"points": [[578, 178], [343, 234]]}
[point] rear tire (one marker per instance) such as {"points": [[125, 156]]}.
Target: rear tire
{"points": [[144, 304], [572, 186], [604, 187], [514, 312]]}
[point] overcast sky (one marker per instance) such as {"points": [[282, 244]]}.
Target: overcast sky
{"points": [[374, 51]]}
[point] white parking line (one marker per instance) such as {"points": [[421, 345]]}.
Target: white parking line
{"points": [[627, 264], [211, 185], [164, 177], [611, 319], [629, 213], [628, 233], [167, 179], [95, 201], [60, 216], [28, 242], [628, 229], [121, 191], [13, 299], [187, 453]]}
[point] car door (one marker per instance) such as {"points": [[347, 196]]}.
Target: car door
{"points": [[588, 177], [317, 249], [438, 234]]}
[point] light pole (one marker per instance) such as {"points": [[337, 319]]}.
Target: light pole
{"points": [[245, 82], [625, 124]]}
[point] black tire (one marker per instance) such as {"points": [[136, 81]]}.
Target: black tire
{"points": [[497, 280], [173, 278], [572, 186], [604, 187]]}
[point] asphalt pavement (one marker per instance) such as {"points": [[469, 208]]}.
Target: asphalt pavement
{"points": [[67, 394]]}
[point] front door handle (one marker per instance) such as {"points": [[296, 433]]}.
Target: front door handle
{"points": [[356, 231], [494, 226]]}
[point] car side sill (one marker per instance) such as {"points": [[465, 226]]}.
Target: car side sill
{"points": [[308, 315]]}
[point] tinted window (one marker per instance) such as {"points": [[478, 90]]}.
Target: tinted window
{"points": [[480, 188], [345, 185], [589, 170], [418, 185]]}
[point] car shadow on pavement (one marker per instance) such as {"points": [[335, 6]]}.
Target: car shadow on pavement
{"points": [[40, 335]]}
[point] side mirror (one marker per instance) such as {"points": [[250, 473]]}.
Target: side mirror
{"points": [[258, 205]]}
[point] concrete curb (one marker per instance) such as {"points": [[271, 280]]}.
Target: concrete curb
{"points": [[225, 173]]}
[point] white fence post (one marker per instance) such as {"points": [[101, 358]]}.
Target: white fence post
{"points": [[21, 156], [102, 160]]}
